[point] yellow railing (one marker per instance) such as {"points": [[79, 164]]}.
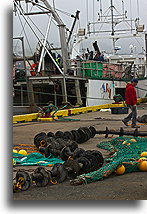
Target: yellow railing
{"points": [[67, 112]]}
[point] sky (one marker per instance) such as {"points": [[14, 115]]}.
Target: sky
{"points": [[88, 12]]}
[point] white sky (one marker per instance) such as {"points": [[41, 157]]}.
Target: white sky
{"points": [[91, 14]]}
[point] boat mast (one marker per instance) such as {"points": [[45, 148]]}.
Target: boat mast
{"points": [[112, 25], [76, 17], [62, 27], [112, 20], [64, 47]]}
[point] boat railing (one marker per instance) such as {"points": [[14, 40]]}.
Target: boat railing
{"points": [[91, 69], [95, 70]]}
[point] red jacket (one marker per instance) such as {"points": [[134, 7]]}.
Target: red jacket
{"points": [[130, 96]]}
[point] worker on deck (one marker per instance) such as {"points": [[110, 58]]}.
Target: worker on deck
{"points": [[131, 101], [99, 57], [59, 60]]}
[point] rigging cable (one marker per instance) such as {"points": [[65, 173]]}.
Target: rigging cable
{"points": [[71, 96], [30, 20], [101, 12], [123, 10], [138, 10], [131, 14], [93, 19], [21, 33], [87, 11], [60, 95], [104, 19], [25, 34], [42, 43], [56, 26], [127, 24], [42, 7]]}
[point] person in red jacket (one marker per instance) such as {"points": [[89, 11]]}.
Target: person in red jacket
{"points": [[131, 101]]}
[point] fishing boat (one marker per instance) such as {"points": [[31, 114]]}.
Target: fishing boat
{"points": [[73, 75]]}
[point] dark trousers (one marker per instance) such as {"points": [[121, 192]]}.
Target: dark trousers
{"points": [[132, 115]]}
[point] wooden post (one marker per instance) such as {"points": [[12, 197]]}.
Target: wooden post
{"points": [[78, 92]]}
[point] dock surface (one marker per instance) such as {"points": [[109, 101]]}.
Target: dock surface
{"points": [[130, 186]]}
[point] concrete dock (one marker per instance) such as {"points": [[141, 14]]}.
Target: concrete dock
{"points": [[131, 186]]}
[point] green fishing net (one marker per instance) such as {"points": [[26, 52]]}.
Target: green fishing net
{"points": [[35, 159], [124, 151]]}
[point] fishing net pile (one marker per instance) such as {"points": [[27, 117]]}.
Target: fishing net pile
{"points": [[125, 151], [35, 159]]}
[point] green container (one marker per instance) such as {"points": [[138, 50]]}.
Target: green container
{"points": [[92, 69]]}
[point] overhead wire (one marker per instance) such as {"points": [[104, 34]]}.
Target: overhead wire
{"points": [[23, 27], [131, 13], [64, 12], [29, 23], [93, 17], [130, 25], [101, 11], [138, 10], [87, 15], [25, 34], [72, 96], [104, 20], [42, 7], [37, 37]]}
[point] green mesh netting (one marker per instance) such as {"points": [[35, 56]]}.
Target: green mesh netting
{"points": [[35, 159], [124, 152]]}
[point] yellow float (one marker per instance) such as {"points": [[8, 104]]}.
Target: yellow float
{"points": [[120, 170], [22, 152], [143, 166], [133, 140], [143, 154]]}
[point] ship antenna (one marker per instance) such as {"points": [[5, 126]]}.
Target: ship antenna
{"points": [[123, 10], [112, 7], [101, 12], [87, 11], [54, 4], [93, 18], [138, 10], [131, 14]]}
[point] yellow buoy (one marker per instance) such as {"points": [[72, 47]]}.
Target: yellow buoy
{"points": [[124, 142], [128, 144], [133, 140], [120, 170], [143, 154], [14, 162], [22, 152], [143, 158], [143, 166], [15, 151]]}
